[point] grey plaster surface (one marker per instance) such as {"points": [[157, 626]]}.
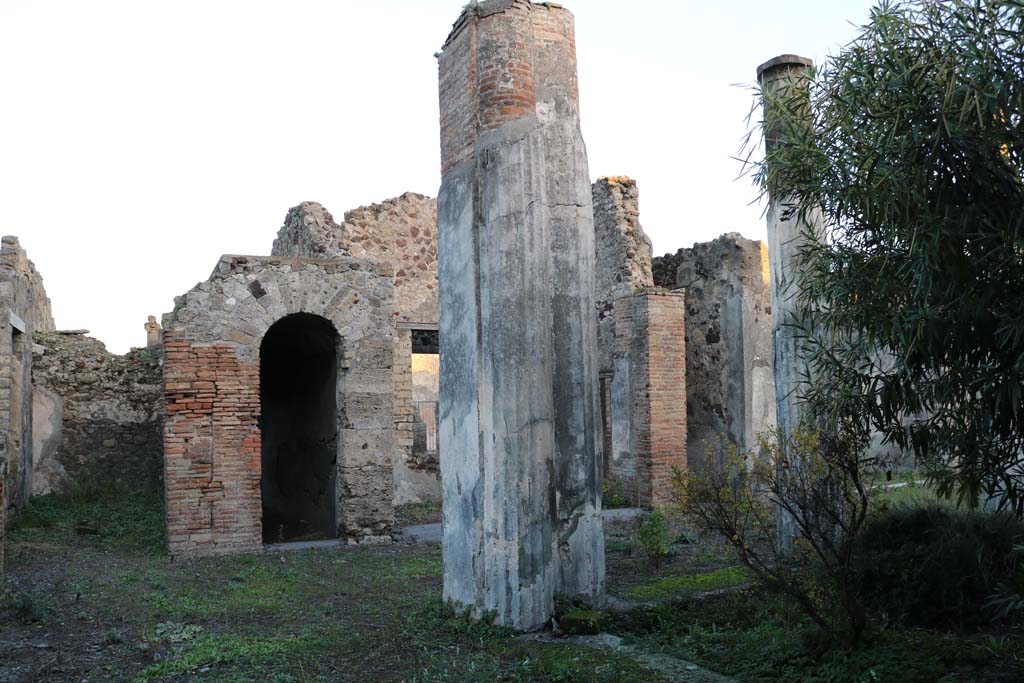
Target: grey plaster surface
{"points": [[519, 404], [431, 533], [787, 232]]}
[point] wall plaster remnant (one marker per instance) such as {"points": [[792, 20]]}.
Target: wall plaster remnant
{"points": [[24, 309], [519, 406], [730, 388]]}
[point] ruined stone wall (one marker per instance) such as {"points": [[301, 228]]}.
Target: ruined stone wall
{"points": [[622, 267], [212, 436], [730, 387], [32, 301], [402, 233], [97, 416], [663, 269], [24, 308], [648, 395], [623, 264]]}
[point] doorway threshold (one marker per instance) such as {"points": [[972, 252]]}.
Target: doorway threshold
{"points": [[322, 544]]}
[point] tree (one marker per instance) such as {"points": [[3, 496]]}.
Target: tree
{"points": [[913, 304]]}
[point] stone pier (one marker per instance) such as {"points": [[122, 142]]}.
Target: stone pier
{"points": [[786, 233], [729, 383], [519, 405]]}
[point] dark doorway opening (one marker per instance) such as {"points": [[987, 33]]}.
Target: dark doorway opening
{"points": [[299, 428]]}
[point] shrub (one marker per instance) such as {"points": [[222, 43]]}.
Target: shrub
{"points": [[653, 538], [936, 567], [613, 496], [816, 481]]}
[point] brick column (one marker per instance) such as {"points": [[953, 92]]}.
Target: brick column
{"points": [[649, 394]]}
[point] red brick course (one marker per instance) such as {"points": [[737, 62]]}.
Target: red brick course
{"points": [[211, 448], [487, 71], [650, 328]]}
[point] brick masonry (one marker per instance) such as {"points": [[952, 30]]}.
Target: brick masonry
{"points": [[211, 393], [648, 395]]}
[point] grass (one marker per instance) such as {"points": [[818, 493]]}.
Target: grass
{"points": [[759, 638], [126, 520], [122, 611], [675, 587]]}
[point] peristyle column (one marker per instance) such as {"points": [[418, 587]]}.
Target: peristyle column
{"points": [[786, 77], [519, 407]]}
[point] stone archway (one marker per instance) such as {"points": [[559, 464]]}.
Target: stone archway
{"points": [[217, 344], [299, 428]]}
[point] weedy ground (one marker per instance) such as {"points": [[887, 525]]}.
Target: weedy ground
{"points": [[113, 607]]}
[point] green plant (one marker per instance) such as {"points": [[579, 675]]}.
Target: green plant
{"points": [[20, 603], [936, 567], [682, 586], [131, 519], [112, 637], [652, 537], [818, 480], [1007, 599], [909, 146], [612, 495]]}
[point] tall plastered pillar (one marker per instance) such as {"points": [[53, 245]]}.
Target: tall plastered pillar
{"points": [[786, 75], [519, 407]]}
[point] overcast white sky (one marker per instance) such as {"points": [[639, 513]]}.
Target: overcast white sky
{"points": [[139, 140]]}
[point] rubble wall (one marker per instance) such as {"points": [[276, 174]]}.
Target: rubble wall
{"points": [[99, 416], [623, 254], [399, 232], [730, 386], [663, 269], [402, 234]]}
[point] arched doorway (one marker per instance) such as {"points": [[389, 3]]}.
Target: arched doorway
{"points": [[299, 428]]}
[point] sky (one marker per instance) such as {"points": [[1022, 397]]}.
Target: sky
{"points": [[142, 139]]}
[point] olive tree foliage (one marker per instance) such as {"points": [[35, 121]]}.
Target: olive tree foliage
{"points": [[911, 144]]}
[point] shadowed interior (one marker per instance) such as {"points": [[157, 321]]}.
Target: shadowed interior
{"points": [[299, 426]]}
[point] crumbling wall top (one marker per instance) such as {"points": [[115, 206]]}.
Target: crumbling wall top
{"points": [[479, 10], [30, 300], [400, 232]]}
